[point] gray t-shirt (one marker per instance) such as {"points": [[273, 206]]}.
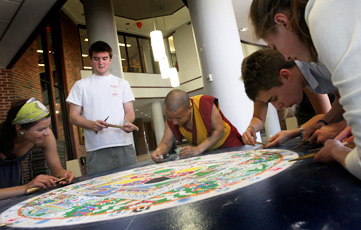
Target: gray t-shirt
{"points": [[317, 76]]}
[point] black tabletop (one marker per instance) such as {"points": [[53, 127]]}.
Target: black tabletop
{"points": [[307, 195]]}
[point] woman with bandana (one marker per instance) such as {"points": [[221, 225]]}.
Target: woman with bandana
{"points": [[26, 127]]}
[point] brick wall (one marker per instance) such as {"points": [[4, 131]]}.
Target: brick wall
{"points": [[26, 75], [26, 80], [73, 65], [21, 81], [6, 92]]}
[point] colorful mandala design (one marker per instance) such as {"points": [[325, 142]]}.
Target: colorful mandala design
{"points": [[149, 188]]}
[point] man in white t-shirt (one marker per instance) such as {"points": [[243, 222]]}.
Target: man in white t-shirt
{"points": [[101, 96]]}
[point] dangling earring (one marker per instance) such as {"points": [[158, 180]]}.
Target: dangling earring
{"points": [[21, 133]]}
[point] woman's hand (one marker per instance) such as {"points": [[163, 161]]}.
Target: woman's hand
{"points": [[43, 181]]}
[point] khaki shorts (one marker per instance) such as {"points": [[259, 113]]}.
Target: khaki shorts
{"points": [[110, 158]]}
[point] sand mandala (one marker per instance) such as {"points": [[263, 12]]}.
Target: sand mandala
{"points": [[147, 189]]}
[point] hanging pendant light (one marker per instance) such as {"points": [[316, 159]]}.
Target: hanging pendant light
{"points": [[174, 80], [156, 39], [159, 53], [164, 67]]}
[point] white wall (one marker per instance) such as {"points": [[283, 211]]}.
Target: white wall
{"points": [[188, 61]]}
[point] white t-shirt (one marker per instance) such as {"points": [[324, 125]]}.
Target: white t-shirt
{"points": [[335, 28], [100, 97]]}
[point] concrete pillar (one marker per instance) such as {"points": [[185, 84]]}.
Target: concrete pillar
{"points": [[100, 22], [221, 55], [158, 121]]}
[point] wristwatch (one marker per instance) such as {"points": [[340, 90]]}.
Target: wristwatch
{"points": [[302, 131]]}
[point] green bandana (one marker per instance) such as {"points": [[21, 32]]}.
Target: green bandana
{"points": [[31, 111]]}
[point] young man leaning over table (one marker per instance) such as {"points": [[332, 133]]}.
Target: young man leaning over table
{"points": [[269, 78]]}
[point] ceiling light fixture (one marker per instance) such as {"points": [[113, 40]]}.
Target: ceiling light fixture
{"points": [[174, 80], [156, 38], [164, 68], [158, 48], [122, 44]]}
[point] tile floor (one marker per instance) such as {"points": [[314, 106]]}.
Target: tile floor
{"points": [[144, 157]]}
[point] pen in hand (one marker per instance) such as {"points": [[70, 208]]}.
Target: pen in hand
{"points": [[96, 132]]}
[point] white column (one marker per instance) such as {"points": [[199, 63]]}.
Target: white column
{"points": [[221, 55], [158, 121], [100, 22], [272, 124]]}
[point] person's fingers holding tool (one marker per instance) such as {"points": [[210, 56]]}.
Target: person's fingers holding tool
{"points": [[67, 178], [157, 156], [129, 127], [43, 181], [249, 136], [99, 125], [309, 132]]}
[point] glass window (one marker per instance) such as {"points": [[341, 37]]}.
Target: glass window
{"points": [[59, 113], [41, 63], [135, 51], [146, 55], [50, 70], [172, 52], [51, 55], [123, 53], [133, 54], [84, 43]]}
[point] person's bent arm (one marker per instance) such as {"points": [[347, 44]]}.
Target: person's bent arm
{"points": [[42, 181], [129, 117], [77, 119], [164, 146], [332, 116], [334, 150], [52, 158], [12, 191], [284, 135], [320, 103], [256, 124], [217, 134], [327, 132]]}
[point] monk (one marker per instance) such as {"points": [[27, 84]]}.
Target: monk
{"points": [[197, 119]]}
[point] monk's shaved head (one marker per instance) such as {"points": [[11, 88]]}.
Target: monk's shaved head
{"points": [[175, 99]]}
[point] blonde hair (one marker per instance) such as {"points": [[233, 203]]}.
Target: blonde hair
{"points": [[262, 14]]}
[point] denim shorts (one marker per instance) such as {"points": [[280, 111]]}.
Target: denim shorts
{"points": [[110, 158]]}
